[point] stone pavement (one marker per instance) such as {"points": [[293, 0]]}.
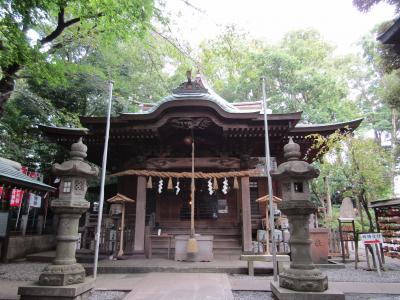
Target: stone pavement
{"points": [[242, 283], [182, 286], [182, 281]]}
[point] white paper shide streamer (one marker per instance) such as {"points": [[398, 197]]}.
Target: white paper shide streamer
{"points": [[177, 188], [225, 186], [160, 185], [210, 187]]}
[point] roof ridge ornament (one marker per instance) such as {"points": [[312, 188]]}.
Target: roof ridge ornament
{"points": [[190, 86]]}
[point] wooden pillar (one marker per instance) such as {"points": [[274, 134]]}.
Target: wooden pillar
{"points": [[140, 218], [246, 214]]}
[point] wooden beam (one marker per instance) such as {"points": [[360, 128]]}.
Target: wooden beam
{"points": [[140, 217], [246, 214], [228, 163]]}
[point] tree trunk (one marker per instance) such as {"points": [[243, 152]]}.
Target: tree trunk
{"points": [[364, 203], [394, 146], [7, 84], [327, 197]]}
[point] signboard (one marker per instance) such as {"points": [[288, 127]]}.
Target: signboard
{"points": [[222, 206], [260, 166], [371, 238], [35, 200], [3, 224]]}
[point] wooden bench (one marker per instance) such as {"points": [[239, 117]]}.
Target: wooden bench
{"points": [[282, 261]]}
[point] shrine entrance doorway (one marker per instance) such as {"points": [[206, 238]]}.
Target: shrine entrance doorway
{"points": [[217, 207]]}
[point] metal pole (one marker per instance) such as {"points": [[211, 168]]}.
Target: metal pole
{"points": [[103, 178], [269, 181]]}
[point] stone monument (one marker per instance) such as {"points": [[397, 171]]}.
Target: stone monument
{"points": [[65, 273], [301, 280], [347, 209]]}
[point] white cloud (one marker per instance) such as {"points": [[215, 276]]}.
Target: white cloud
{"points": [[338, 21]]}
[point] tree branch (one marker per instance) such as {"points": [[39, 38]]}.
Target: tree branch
{"points": [[62, 24]]}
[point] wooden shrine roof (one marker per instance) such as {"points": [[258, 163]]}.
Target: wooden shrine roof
{"points": [[120, 198], [391, 35], [221, 128]]}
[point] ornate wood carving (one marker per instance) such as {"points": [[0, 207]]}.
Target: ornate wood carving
{"points": [[227, 163], [199, 123], [191, 86]]}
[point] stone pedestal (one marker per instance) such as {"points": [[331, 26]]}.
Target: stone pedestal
{"points": [[78, 291], [286, 294], [302, 275], [65, 270], [294, 176], [65, 278]]}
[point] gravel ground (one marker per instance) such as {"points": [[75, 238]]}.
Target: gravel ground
{"points": [[362, 275], [21, 271], [246, 295], [377, 296], [107, 295]]}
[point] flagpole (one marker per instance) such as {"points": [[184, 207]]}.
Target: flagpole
{"points": [[19, 212], [103, 177], [269, 181]]}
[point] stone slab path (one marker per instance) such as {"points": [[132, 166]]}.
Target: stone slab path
{"points": [[182, 286]]}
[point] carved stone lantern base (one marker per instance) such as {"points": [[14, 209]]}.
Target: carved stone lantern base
{"points": [[286, 294], [303, 280], [59, 275], [78, 291]]}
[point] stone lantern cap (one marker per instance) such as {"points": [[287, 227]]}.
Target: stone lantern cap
{"points": [[76, 166], [293, 167]]}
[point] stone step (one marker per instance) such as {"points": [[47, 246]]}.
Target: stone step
{"points": [[217, 244], [212, 231]]}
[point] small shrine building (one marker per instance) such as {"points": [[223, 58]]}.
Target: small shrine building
{"points": [[229, 140]]}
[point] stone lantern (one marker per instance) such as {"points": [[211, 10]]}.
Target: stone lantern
{"points": [[69, 207], [294, 176]]}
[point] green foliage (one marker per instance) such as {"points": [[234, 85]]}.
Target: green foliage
{"points": [[366, 5], [39, 39], [390, 88], [334, 224], [20, 137], [301, 74]]}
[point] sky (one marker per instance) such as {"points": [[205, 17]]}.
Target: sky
{"points": [[339, 22]]}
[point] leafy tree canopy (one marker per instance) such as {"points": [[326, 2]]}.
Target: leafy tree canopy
{"points": [[34, 35]]}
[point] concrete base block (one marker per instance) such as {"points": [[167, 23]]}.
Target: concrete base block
{"points": [[285, 294], [78, 291]]}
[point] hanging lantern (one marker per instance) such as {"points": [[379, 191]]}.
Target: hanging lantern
{"points": [[150, 183], [170, 186], [235, 183], [215, 184]]}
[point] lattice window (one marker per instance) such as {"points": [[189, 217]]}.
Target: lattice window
{"points": [[67, 187], [79, 186]]}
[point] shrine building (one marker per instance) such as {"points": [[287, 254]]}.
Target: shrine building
{"points": [[150, 154]]}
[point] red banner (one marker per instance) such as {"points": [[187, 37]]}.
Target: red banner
{"points": [[16, 197]]}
